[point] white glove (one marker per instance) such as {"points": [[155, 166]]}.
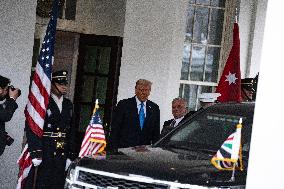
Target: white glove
{"points": [[68, 163], [36, 162]]}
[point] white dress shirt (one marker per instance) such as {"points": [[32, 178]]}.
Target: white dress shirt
{"points": [[58, 101], [178, 120]]}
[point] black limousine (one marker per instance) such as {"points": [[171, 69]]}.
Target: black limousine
{"points": [[180, 160]]}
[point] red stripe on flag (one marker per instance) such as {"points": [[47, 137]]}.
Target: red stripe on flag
{"points": [[231, 138], [35, 103], [41, 88], [34, 127]]}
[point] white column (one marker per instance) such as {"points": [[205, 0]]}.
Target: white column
{"points": [[152, 49], [251, 23], [266, 153], [17, 23]]}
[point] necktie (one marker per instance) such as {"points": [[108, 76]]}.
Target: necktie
{"points": [[173, 123], [141, 115]]}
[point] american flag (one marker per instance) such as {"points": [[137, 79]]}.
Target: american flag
{"points": [[94, 142], [39, 93]]}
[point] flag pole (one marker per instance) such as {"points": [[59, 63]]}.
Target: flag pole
{"points": [[236, 16], [233, 173], [234, 165], [35, 177], [96, 106]]}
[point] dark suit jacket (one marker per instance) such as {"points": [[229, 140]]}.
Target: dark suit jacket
{"points": [[167, 124], [7, 110], [125, 128]]}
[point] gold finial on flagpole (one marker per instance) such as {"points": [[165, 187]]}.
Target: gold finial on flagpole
{"points": [[239, 125], [96, 106]]}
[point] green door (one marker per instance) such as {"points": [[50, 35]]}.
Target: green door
{"points": [[96, 78]]}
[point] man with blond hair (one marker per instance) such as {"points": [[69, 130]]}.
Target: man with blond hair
{"points": [[136, 120]]}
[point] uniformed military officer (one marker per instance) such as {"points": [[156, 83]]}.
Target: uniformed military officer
{"points": [[53, 153], [249, 86]]}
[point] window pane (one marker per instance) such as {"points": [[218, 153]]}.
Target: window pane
{"points": [[212, 64], [180, 90], [104, 54], [88, 88], [218, 3], [91, 58], [203, 2], [216, 26], [185, 61], [201, 25], [101, 89], [197, 64], [189, 24], [206, 89], [190, 94], [85, 116]]}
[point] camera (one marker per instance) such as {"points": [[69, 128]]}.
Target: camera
{"points": [[9, 139], [13, 88]]}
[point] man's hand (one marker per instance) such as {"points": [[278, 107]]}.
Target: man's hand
{"points": [[36, 162]]}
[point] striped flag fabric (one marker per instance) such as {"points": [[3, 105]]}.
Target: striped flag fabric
{"points": [[94, 141], [39, 93], [25, 164], [229, 156]]}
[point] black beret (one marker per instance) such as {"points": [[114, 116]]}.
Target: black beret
{"points": [[60, 77]]}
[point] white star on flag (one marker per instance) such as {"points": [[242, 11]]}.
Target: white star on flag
{"points": [[231, 78]]}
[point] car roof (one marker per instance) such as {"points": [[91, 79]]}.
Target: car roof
{"points": [[245, 109]]}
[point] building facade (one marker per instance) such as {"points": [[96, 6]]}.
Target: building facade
{"points": [[107, 45]]}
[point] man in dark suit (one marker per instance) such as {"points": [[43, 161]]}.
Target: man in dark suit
{"points": [[136, 120], [179, 111], [8, 106]]}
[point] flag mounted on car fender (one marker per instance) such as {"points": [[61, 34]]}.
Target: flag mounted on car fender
{"points": [[94, 141], [229, 156], [229, 85]]}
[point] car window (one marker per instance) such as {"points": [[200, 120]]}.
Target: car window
{"points": [[210, 130]]}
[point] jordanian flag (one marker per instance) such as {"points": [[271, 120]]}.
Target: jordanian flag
{"points": [[229, 156]]}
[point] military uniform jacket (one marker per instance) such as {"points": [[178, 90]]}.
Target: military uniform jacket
{"points": [[7, 110], [56, 145]]}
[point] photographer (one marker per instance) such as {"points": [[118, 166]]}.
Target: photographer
{"points": [[8, 105]]}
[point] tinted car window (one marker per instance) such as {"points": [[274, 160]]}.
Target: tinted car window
{"points": [[208, 129]]}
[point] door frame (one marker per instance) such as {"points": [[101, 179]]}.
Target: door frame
{"points": [[113, 79]]}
